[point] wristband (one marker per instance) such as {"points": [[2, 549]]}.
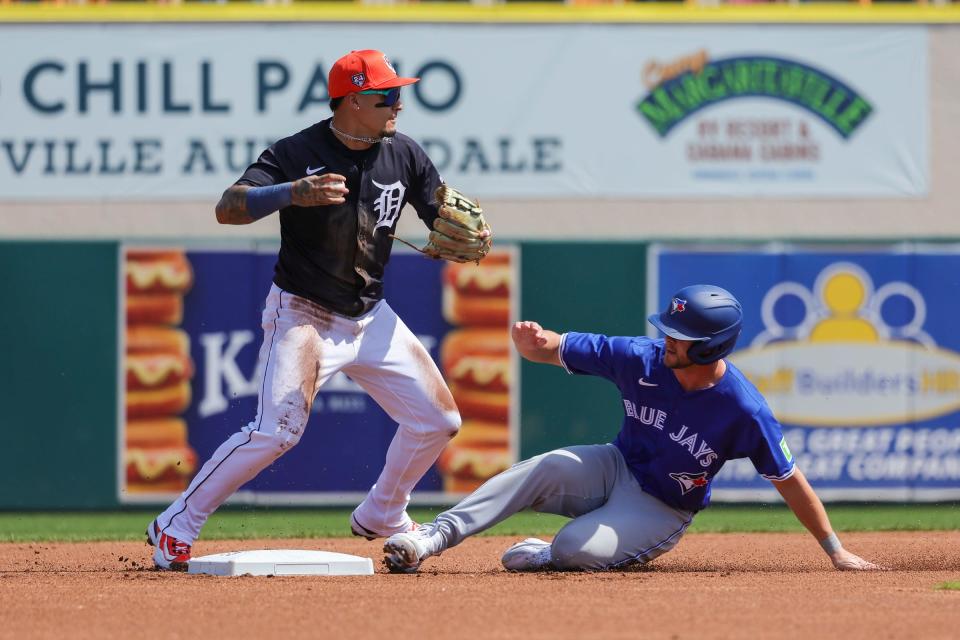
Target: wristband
{"points": [[831, 544], [262, 201]]}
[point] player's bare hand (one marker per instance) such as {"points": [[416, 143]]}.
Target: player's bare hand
{"points": [[843, 560], [314, 191], [528, 335]]}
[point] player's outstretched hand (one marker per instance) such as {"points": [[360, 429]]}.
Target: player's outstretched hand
{"points": [[843, 560], [528, 335], [314, 191]]}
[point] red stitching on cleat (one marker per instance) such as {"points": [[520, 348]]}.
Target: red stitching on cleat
{"points": [[175, 550]]}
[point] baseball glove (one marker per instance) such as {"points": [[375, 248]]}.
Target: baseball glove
{"points": [[458, 232]]}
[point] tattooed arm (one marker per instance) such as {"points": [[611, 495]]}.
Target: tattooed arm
{"points": [[239, 205], [232, 208]]}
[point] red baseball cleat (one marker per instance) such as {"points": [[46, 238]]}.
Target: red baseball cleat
{"points": [[169, 554]]}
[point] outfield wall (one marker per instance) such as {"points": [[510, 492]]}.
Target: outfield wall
{"points": [[582, 243], [869, 396]]}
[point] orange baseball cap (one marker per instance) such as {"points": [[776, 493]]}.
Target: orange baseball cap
{"points": [[363, 70]]}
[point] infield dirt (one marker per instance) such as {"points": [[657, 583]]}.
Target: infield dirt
{"points": [[710, 586]]}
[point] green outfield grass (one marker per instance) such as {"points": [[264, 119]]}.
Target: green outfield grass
{"points": [[239, 523]]}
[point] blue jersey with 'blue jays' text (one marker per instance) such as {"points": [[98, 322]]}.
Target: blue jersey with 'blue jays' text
{"points": [[675, 441]]}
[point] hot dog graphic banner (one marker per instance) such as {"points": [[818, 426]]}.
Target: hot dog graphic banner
{"points": [[191, 376], [856, 351]]}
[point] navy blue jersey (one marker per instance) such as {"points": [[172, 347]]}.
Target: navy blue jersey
{"points": [[675, 441], [335, 255]]}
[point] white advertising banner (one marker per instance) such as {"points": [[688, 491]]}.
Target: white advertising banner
{"points": [[177, 111]]}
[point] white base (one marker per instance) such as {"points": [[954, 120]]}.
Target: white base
{"points": [[281, 562]]}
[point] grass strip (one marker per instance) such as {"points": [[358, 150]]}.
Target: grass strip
{"points": [[259, 522]]}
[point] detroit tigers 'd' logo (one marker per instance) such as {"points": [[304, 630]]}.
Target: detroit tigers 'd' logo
{"points": [[388, 204], [690, 481]]}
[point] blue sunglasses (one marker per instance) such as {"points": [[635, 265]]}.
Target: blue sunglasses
{"points": [[390, 96]]}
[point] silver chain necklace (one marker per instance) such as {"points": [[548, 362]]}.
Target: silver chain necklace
{"points": [[354, 138]]}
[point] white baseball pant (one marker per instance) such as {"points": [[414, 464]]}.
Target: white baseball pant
{"points": [[303, 346]]}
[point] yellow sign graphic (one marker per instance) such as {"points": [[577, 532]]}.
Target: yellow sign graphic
{"points": [[842, 364]]}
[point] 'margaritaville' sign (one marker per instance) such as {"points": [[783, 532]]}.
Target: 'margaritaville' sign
{"points": [[857, 354], [178, 111], [814, 90]]}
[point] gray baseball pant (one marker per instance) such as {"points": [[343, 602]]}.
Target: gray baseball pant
{"points": [[615, 523]]}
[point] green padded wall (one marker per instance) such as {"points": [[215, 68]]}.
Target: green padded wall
{"points": [[58, 380], [597, 288]]}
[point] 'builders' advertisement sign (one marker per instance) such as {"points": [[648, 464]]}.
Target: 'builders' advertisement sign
{"points": [[857, 354], [125, 111]]}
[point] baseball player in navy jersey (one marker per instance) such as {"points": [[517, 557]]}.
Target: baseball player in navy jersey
{"points": [[686, 412], [339, 186]]}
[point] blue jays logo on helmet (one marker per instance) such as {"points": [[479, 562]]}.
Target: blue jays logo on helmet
{"points": [[706, 315]]}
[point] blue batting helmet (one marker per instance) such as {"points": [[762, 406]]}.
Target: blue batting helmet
{"points": [[708, 315]]}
